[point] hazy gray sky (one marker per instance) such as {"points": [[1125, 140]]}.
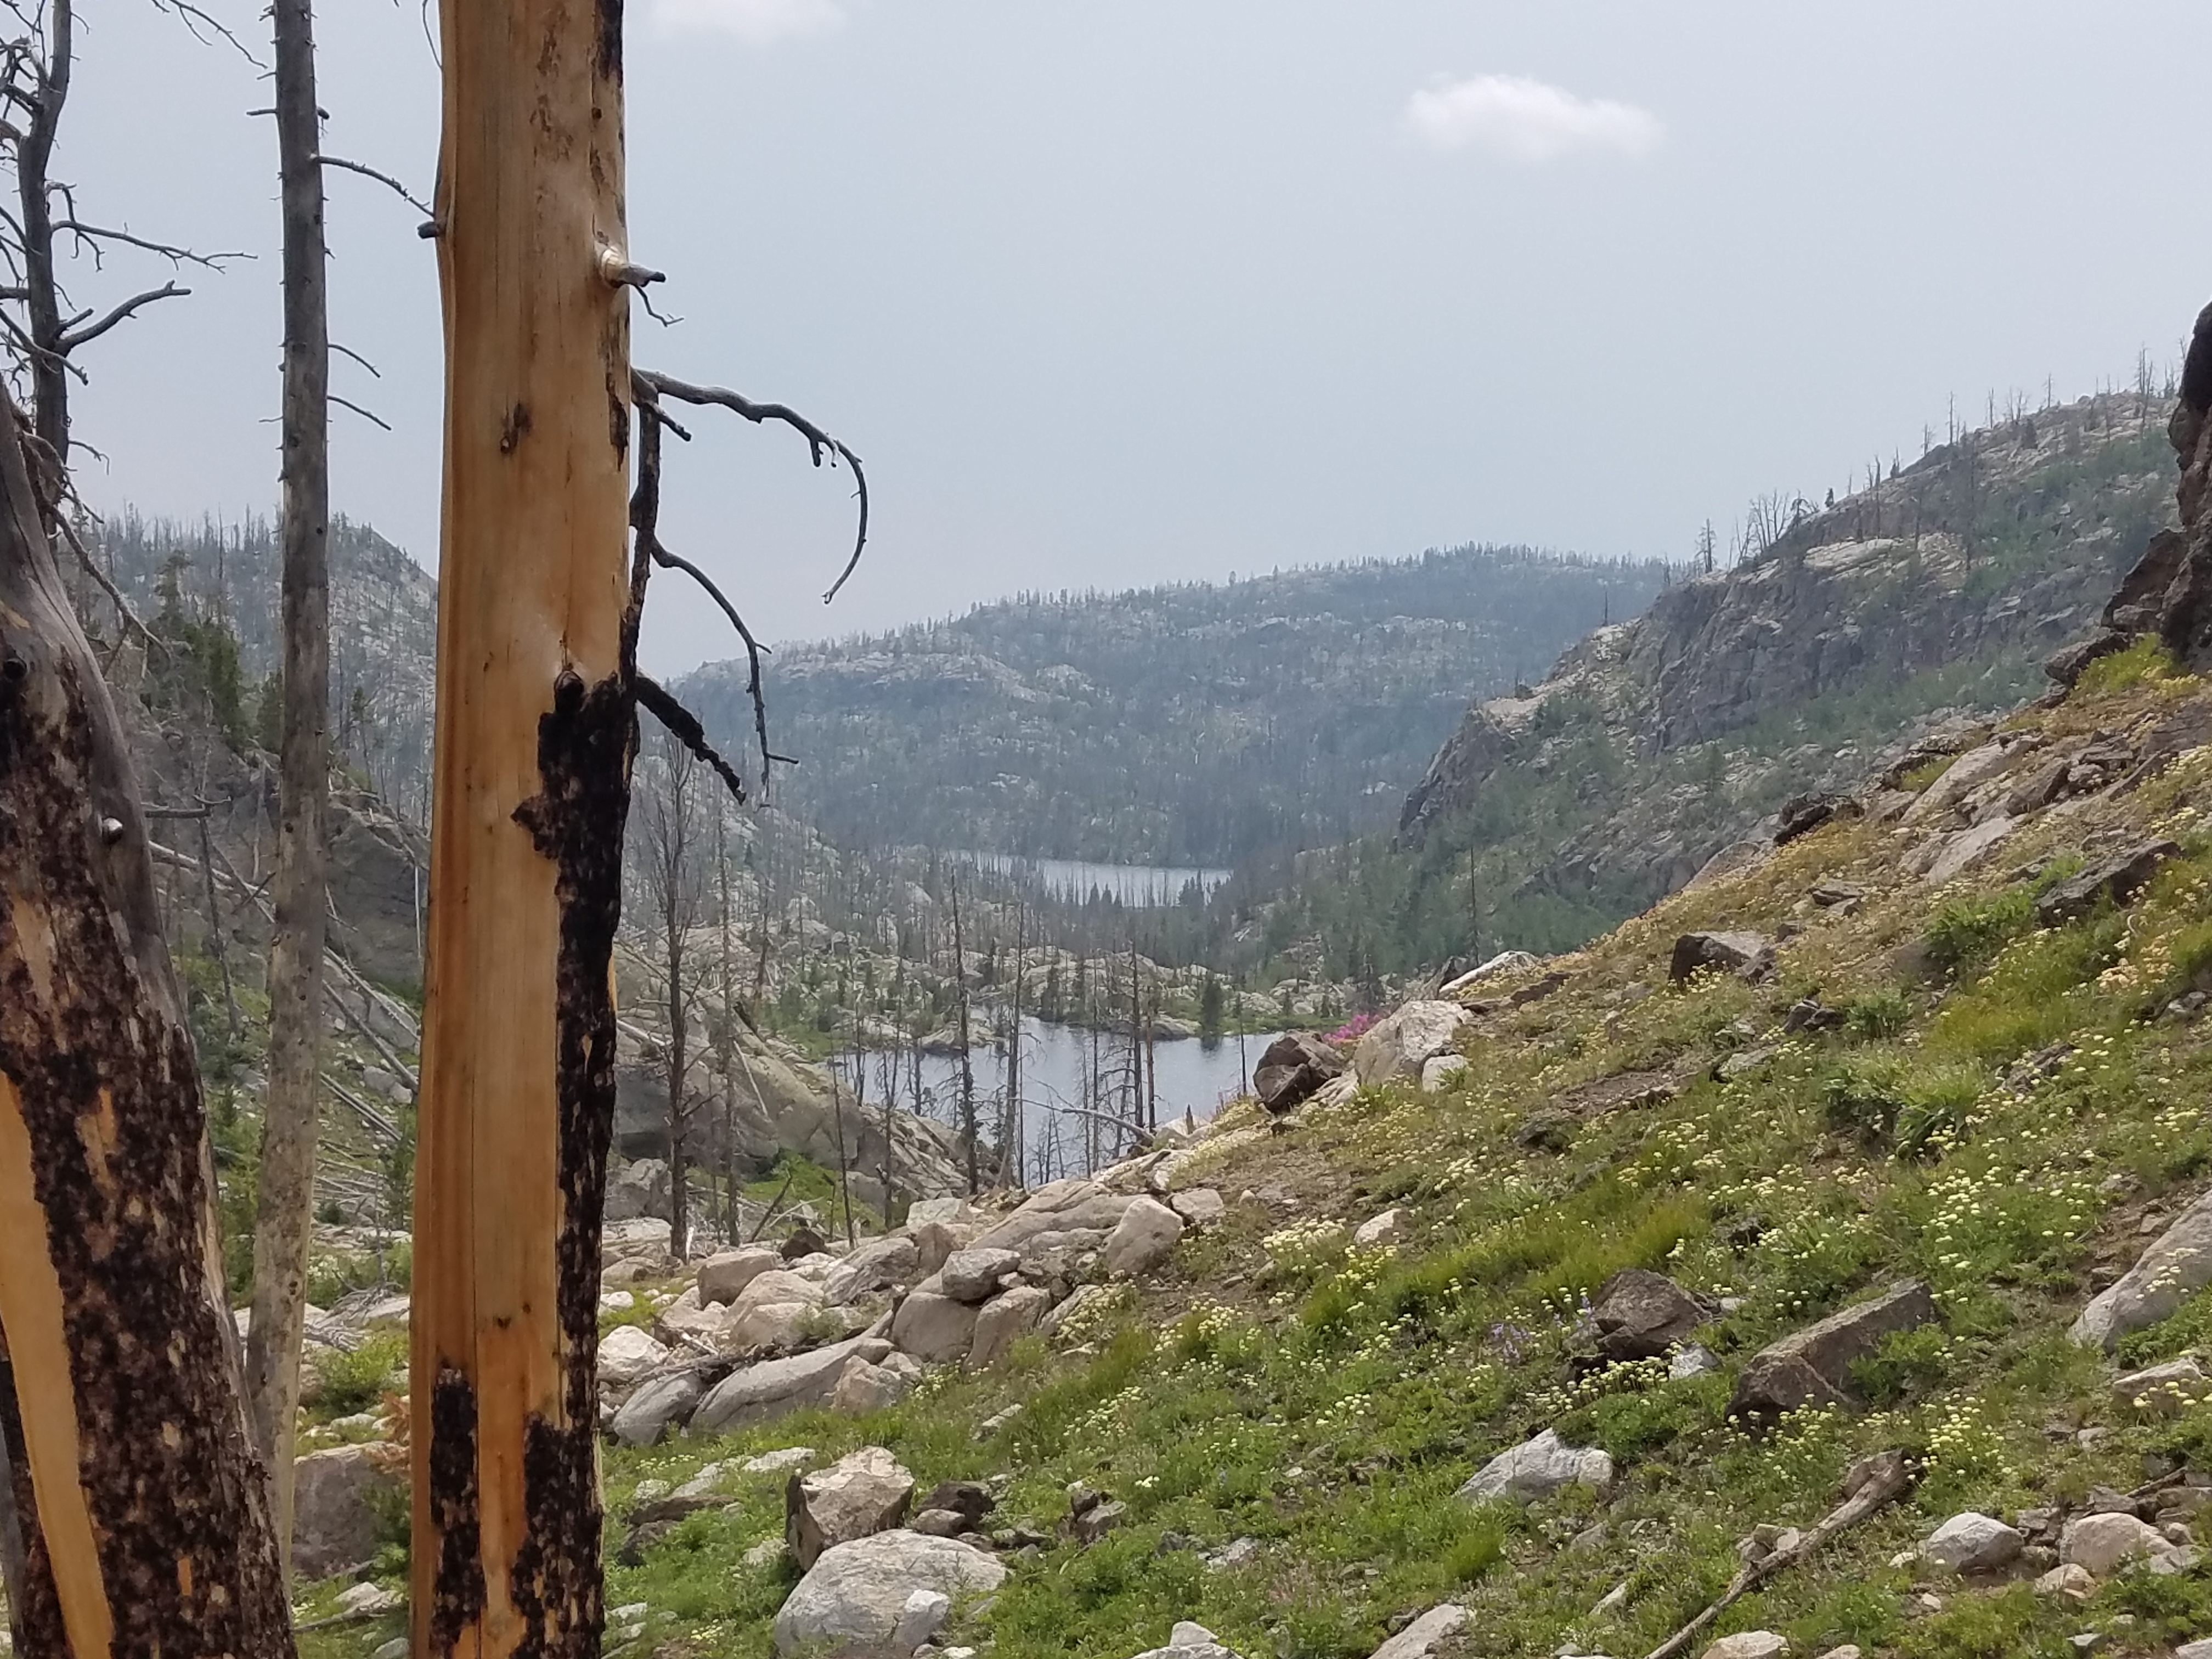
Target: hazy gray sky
{"points": [[1111, 294]]}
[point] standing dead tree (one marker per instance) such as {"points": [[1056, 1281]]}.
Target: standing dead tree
{"points": [[138, 1503], [665, 802]]}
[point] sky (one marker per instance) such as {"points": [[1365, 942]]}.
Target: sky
{"points": [[1109, 295]]}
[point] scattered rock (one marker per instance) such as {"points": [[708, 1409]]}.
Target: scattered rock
{"points": [[1944, 856], [1641, 1315], [1071, 1208], [880, 1264], [863, 1387], [2166, 1390], [1811, 1014], [629, 1352], [1393, 1227], [1293, 1067], [1418, 1639], [1144, 1237], [863, 1492], [1811, 1367], [1691, 1359], [1748, 956], [782, 1461], [1829, 893], [974, 1275], [804, 1241], [369, 1600], [721, 1278], [2100, 1544], [1504, 962], [661, 1403], [1397, 1046], [1235, 1553], [1973, 1543], [1201, 1206], [760, 1393], [1545, 1132], [1537, 1468], [1096, 1520], [2179, 1264], [1003, 1319], [2119, 879], [852, 1597], [637, 1189], [1438, 1072], [1749, 1644], [337, 1497], [935, 1329], [1800, 814], [2071, 1580]]}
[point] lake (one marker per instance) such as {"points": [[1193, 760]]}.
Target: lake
{"points": [[1193, 1076], [1139, 886]]}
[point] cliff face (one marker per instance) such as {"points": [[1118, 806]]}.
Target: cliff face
{"points": [[1990, 551]]}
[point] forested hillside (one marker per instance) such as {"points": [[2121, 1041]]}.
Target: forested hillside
{"points": [[1195, 723]]}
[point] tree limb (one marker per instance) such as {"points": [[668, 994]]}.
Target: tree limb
{"points": [[385, 178], [76, 337], [173, 254], [683, 725]]}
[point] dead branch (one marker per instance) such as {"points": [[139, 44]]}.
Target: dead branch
{"points": [[385, 178], [130, 619], [76, 337], [819, 442], [92, 235], [683, 725], [1872, 1485], [365, 415]]}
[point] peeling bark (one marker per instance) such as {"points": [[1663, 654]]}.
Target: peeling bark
{"points": [[143, 1523]]}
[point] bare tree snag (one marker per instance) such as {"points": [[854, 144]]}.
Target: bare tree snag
{"points": [[141, 1509], [285, 1203], [536, 732]]}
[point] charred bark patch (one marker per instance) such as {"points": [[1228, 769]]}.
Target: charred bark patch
{"points": [[561, 1594], [457, 1590]]}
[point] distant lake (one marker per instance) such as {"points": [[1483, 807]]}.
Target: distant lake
{"points": [[1139, 886], [1195, 1076]]}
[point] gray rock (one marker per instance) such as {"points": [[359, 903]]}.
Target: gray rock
{"points": [[1418, 1639], [1094, 1522], [1294, 1065], [1438, 1072], [338, 1496], [880, 1264], [1800, 814], [2101, 1544], [852, 1599], [760, 1393], [661, 1403], [1201, 1206], [2119, 879], [724, 1276], [1641, 1315], [1749, 1644], [1003, 1319], [637, 1189], [863, 1388], [780, 1461], [1811, 1367], [973, 1275], [1973, 1543], [1144, 1237], [1691, 1359], [932, 1327], [1074, 1205], [2166, 1390], [1396, 1047], [1747, 954], [1393, 1227], [863, 1492], [2175, 1267], [1537, 1468], [626, 1353]]}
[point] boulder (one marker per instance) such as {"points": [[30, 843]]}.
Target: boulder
{"points": [[1418, 1640], [773, 1328], [1537, 1468], [2166, 1390], [2119, 879], [782, 1461], [1438, 1072], [1973, 1543], [974, 1275], [863, 1388], [1956, 780], [1399, 1046], [2101, 1544], [861, 1493], [1504, 962], [971, 1500], [1001, 1319], [760, 1393], [934, 1243], [1393, 1226], [637, 1189], [1144, 1237], [1201, 1206], [1641, 1315], [1292, 1068], [1189, 1640], [661, 1403], [852, 1599], [685, 1318], [340, 1498], [880, 1264], [934, 1328], [1811, 1367], [2175, 1267], [627, 1353], [1800, 814], [1747, 955], [1073, 1206], [939, 1211], [1749, 1644]]}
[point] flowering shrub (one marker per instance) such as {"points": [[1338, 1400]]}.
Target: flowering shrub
{"points": [[1352, 1031]]}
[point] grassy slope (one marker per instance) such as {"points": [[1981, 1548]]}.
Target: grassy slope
{"points": [[1326, 1403]]}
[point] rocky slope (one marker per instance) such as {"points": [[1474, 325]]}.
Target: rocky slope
{"points": [[1817, 1264]]}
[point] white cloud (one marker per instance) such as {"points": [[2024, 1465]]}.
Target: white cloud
{"points": [[755, 22], [1526, 119]]}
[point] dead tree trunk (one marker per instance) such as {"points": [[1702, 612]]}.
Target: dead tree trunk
{"points": [[143, 1522], [536, 733], [285, 1200], [968, 1128]]}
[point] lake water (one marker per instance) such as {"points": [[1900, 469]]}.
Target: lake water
{"points": [[1139, 886], [1192, 1076]]}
